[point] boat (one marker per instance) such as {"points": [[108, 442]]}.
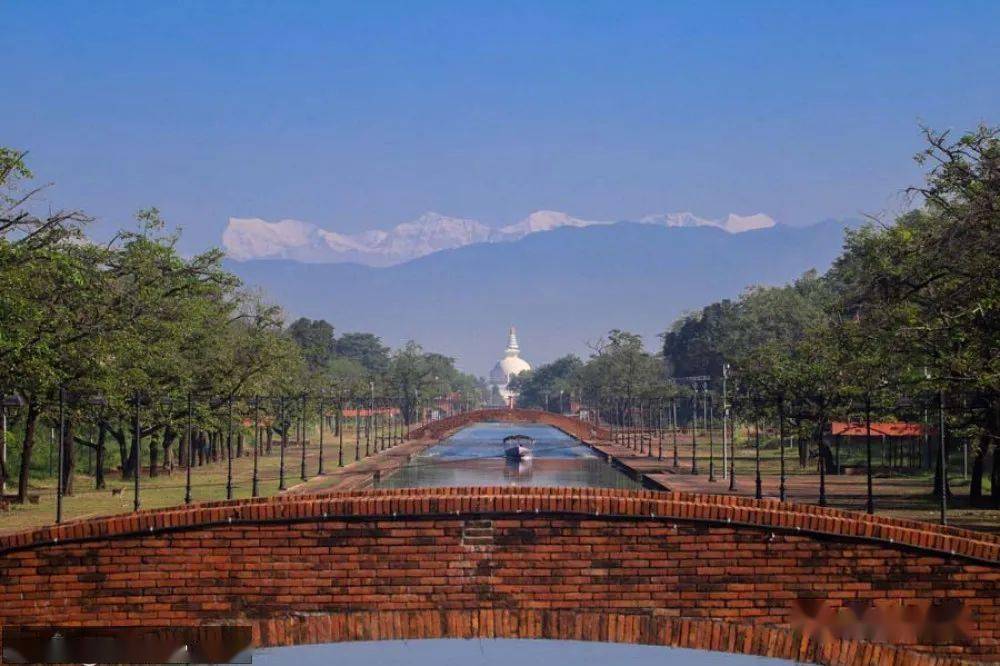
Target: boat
{"points": [[517, 447]]}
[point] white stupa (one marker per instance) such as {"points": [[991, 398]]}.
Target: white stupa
{"points": [[510, 365]]}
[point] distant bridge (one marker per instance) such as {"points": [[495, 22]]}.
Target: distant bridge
{"points": [[574, 427], [702, 571]]}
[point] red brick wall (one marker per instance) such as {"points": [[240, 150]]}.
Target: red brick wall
{"points": [[572, 426], [410, 553]]}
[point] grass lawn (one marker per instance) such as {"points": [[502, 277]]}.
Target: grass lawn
{"points": [[208, 483]]}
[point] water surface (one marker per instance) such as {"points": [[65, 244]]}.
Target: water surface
{"points": [[498, 652], [474, 456]]}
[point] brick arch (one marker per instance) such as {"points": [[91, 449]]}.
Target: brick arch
{"points": [[597, 564], [605, 627], [571, 426]]}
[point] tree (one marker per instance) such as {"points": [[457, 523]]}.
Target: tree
{"points": [[542, 386], [365, 348], [316, 339], [619, 372]]}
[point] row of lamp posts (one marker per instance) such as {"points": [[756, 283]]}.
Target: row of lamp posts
{"points": [[378, 435], [621, 413]]}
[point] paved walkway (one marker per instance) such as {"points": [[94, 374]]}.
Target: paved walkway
{"points": [[362, 474]]}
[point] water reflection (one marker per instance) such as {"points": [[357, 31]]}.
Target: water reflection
{"points": [[475, 456], [497, 652]]}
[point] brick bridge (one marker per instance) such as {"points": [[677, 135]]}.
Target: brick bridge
{"points": [[571, 426], [703, 571]]}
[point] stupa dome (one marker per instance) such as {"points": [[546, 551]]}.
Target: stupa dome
{"points": [[510, 365]]}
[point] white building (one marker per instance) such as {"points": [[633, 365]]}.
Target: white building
{"points": [[510, 365]]}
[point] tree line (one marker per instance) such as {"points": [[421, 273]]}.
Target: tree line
{"points": [[93, 332], [906, 322]]}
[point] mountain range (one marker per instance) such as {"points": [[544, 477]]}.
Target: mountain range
{"points": [[563, 289], [246, 239]]}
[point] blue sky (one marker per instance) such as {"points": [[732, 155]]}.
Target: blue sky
{"points": [[366, 114]]}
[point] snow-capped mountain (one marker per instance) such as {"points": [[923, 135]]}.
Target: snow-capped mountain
{"points": [[542, 220], [252, 238], [734, 224]]}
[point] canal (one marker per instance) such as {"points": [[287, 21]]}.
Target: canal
{"points": [[498, 652], [474, 456]]}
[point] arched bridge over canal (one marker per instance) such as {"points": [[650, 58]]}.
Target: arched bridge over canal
{"points": [[712, 572], [574, 427]]}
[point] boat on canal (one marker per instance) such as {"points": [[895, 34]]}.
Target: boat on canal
{"points": [[517, 447]]}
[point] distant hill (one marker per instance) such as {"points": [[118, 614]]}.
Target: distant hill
{"points": [[561, 288], [246, 239]]}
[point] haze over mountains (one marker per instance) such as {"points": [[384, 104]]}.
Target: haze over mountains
{"points": [[562, 287], [252, 238]]}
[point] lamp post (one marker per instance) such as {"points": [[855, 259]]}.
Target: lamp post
{"points": [[284, 440], [659, 428], [340, 431], [781, 435], [694, 382], [229, 449], [370, 420], [190, 447], [72, 398], [255, 482], [942, 453], [59, 469], [673, 423], [302, 437], [870, 501], [710, 420], [728, 446], [357, 432], [137, 437], [322, 418], [13, 401], [760, 492], [943, 461], [694, 432]]}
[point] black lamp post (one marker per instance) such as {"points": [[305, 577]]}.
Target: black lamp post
{"points": [[870, 501], [369, 421], [760, 492], [694, 432], [710, 421], [255, 482], [190, 447], [340, 431], [15, 402], [822, 473], [357, 432], [659, 429], [215, 403], [781, 436], [694, 382], [729, 428], [59, 469], [284, 438], [71, 398], [229, 449], [673, 423], [943, 461], [137, 438], [302, 438], [322, 418]]}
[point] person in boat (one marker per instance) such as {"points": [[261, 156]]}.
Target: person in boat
{"points": [[518, 447]]}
